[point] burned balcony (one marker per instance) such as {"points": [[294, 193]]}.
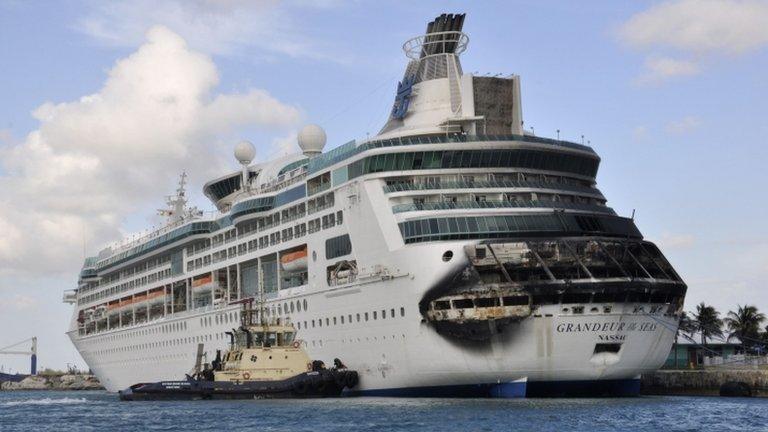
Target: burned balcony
{"points": [[478, 316]]}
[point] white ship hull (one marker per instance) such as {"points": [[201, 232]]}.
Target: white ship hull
{"points": [[401, 354]]}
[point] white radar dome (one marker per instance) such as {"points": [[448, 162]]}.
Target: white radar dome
{"points": [[312, 139], [245, 152]]}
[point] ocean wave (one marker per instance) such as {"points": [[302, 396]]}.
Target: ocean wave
{"points": [[45, 401]]}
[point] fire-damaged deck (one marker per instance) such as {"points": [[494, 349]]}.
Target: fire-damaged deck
{"points": [[505, 283]]}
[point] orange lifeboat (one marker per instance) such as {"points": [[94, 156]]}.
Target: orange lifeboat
{"points": [[201, 281], [294, 261]]}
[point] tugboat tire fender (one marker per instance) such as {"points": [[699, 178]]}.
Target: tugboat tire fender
{"points": [[351, 379], [340, 377], [320, 385], [300, 386]]}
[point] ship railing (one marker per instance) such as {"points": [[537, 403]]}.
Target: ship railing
{"points": [[285, 180], [488, 204], [446, 42], [351, 148], [486, 184]]}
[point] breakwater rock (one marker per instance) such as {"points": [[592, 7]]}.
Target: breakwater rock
{"points": [[703, 382], [54, 382]]}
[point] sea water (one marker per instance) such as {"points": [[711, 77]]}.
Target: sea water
{"points": [[101, 411]]}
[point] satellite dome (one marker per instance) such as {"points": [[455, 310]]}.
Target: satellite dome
{"points": [[245, 152], [312, 139]]}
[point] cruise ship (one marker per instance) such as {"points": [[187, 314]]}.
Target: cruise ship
{"points": [[455, 253]]}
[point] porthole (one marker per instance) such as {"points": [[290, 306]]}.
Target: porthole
{"points": [[305, 304], [447, 256], [314, 256]]}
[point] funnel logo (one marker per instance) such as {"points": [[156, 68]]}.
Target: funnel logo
{"points": [[403, 98]]}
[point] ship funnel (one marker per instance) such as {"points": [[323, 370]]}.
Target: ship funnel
{"points": [[432, 80]]}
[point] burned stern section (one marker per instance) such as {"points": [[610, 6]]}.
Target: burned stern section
{"points": [[507, 282]]}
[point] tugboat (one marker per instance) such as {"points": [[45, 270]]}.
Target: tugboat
{"points": [[265, 361]]}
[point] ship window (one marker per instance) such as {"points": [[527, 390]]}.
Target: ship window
{"points": [[305, 304], [392, 313], [327, 322], [342, 319], [358, 317], [487, 302], [402, 311], [607, 347], [298, 306], [366, 316], [349, 318], [515, 301], [338, 246], [334, 320], [463, 304], [374, 314], [313, 323]]}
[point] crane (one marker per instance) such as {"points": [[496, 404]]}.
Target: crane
{"points": [[32, 352]]}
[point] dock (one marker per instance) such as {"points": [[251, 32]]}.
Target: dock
{"points": [[703, 382]]}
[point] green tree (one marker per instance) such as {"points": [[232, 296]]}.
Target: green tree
{"points": [[745, 325], [707, 322]]}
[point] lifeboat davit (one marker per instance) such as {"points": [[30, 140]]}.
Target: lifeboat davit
{"points": [[294, 261]]}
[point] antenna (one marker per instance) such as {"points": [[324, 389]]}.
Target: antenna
{"points": [[244, 153]]}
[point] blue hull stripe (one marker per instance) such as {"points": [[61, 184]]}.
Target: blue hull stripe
{"points": [[592, 388]]}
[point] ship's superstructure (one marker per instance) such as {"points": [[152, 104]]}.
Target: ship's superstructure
{"points": [[451, 251]]}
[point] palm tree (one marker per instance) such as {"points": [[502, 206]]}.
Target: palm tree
{"points": [[707, 322], [684, 325], [745, 325]]}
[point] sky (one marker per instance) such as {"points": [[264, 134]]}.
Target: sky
{"points": [[103, 104]]}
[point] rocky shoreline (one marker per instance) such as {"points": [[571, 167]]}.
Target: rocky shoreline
{"points": [[54, 382]]}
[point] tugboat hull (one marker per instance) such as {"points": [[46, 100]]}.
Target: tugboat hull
{"points": [[318, 384]]}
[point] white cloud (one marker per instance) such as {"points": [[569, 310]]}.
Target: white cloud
{"points": [[684, 125], [5, 136], [658, 69], [728, 26], [283, 146], [19, 302], [696, 30], [676, 241], [95, 160], [222, 27]]}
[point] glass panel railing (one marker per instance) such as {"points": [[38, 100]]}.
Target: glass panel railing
{"points": [[351, 148], [450, 205], [486, 184]]}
